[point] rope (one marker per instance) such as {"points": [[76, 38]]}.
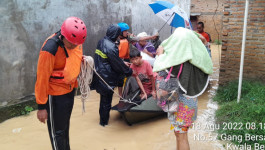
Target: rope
{"points": [[122, 99], [85, 78]]}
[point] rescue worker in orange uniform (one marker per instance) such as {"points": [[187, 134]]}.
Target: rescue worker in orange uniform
{"points": [[123, 50], [124, 44], [58, 68]]}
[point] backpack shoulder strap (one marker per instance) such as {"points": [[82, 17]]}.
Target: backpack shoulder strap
{"points": [[53, 43]]}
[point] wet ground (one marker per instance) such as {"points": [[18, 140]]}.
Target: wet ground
{"points": [[27, 133]]}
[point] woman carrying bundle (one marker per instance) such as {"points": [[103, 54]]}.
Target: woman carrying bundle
{"points": [[183, 66]]}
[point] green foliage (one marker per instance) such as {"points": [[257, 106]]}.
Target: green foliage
{"points": [[251, 90], [227, 93], [218, 42], [27, 110], [249, 112], [17, 110]]}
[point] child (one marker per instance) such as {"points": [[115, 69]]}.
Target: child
{"points": [[143, 70], [200, 30], [140, 85]]}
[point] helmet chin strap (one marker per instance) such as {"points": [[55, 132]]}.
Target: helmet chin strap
{"points": [[122, 36]]}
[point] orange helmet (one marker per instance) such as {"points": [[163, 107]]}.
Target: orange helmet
{"points": [[74, 30]]}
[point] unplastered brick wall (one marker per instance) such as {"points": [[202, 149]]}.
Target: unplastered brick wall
{"points": [[211, 13], [233, 20]]}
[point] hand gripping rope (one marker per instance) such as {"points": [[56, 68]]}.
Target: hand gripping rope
{"points": [[85, 78]]}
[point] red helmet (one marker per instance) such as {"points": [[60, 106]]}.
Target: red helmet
{"points": [[74, 30]]}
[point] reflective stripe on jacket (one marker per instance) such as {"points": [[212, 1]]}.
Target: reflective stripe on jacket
{"points": [[108, 64]]}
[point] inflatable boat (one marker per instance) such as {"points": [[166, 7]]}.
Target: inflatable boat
{"points": [[144, 110]]}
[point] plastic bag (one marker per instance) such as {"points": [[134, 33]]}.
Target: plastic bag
{"points": [[167, 92]]}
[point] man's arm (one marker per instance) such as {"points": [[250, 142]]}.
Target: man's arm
{"points": [[44, 70], [160, 50], [118, 65], [143, 38], [147, 38]]}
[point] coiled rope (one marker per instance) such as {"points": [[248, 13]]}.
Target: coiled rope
{"points": [[85, 78]]}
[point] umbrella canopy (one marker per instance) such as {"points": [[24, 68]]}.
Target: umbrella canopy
{"points": [[172, 14]]}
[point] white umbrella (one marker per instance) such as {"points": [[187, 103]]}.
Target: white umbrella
{"points": [[171, 14]]}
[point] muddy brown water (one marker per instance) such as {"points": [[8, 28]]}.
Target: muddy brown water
{"points": [[27, 133]]}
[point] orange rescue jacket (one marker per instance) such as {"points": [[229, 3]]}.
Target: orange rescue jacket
{"points": [[124, 49], [56, 73]]}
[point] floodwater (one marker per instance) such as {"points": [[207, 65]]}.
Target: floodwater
{"points": [[27, 133]]}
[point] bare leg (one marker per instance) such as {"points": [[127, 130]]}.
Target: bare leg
{"points": [[182, 141], [120, 91]]}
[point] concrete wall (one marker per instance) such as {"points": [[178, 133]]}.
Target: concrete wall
{"points": [[25, 24]]}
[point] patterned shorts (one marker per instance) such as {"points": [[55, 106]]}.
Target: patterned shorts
{"points": [[185, 115]]}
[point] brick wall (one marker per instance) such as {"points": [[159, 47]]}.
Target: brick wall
{"points": [[233, 20], [212, 20]]}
